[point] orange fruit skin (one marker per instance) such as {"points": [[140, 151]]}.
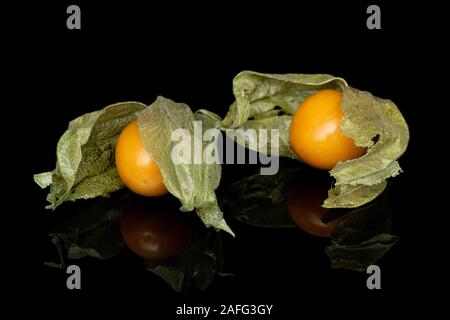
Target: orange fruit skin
{"points": [[315, 133], [137, 169]]}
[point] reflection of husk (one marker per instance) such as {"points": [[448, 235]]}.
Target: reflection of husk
{"points": [[88, 229], [363, 237], [260, 200], [197, 265]]}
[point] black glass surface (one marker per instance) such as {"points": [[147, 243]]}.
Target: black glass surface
{"points": [[191, 54]]}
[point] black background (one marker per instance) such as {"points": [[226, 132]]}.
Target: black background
{"points": [[190, 53]]}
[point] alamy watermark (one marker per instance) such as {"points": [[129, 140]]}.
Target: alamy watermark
{"points": [[190, 148], [74, 279], [374, 19], [74, 17], [374, 280]]}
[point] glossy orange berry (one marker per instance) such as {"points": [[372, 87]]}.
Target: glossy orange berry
{"points": [[315, 133], [137, 169]]}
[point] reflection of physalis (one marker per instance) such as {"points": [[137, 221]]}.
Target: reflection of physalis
{"points": [[153, 231], [363, 237], [305, 204], [180, 251]]}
